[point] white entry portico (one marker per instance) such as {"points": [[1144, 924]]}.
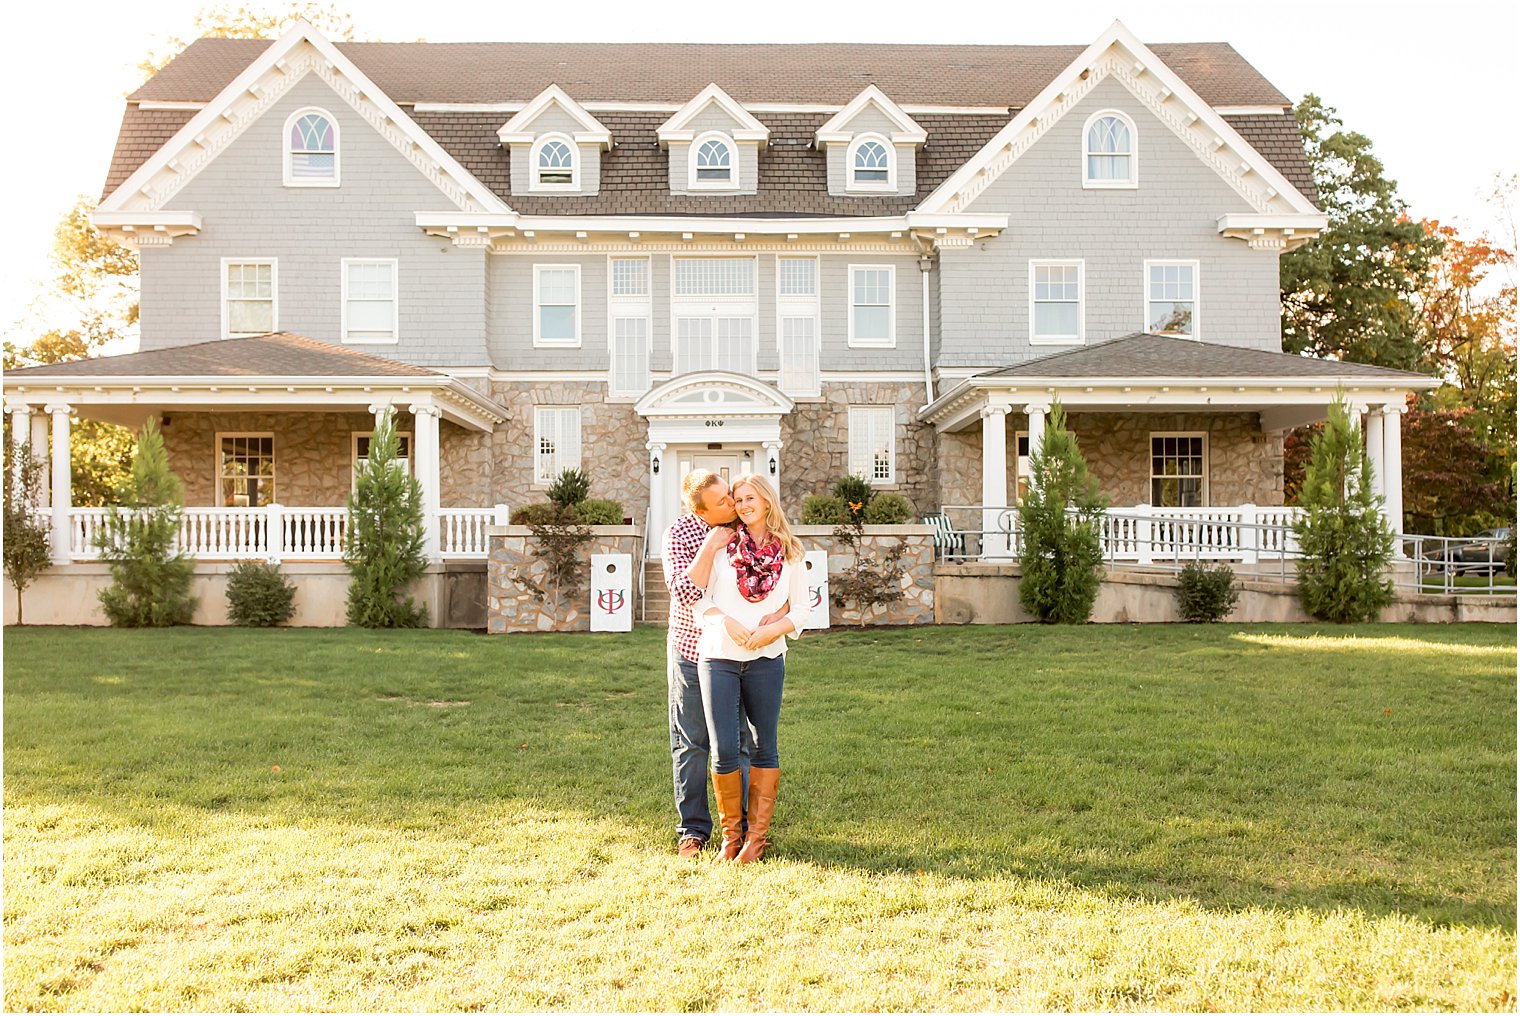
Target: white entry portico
{"points": [[714, 420]]}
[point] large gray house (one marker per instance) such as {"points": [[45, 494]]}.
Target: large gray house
{"points": [[804, 260]]}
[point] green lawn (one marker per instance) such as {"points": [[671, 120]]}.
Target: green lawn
{"points": [[1270, 817]]}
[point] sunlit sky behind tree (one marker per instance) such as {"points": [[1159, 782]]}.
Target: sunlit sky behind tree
{"points": [[1429, 83]]}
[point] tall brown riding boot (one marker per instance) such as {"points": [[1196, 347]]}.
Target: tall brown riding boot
{"points": [[729, 788], [762, 804]]}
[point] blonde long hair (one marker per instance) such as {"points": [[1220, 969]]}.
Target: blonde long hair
{"points": [[775, 518]]}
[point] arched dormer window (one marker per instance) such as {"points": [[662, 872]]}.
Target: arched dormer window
{"points": [[713, 162], [872, 165], [555, 163], [1110, 151], [311, 149]]}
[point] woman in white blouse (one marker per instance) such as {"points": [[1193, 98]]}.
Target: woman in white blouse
{"points": [[747, 573]]}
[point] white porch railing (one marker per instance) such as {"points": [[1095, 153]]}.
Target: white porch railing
{"points": [[283, 533]]}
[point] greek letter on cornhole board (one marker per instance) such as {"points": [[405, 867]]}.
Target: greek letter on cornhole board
{"points": [[817, 564], [611, 592]]}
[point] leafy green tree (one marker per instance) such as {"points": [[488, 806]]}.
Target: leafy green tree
{"points": [[1062, 560], [1349, 294], [150, 578], [1345, 543], [226, 21], [383, 545], [27, 547]]}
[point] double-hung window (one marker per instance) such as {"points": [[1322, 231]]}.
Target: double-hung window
{"points": [[628, 311], [245, 470], [1179, 470], [1055, 302], [369, 300], [1109, 152], [873, 312], [1171, 298], [556, 442], [360, 448], [556, 305], [797, 324], [248, 297], [873, 443], [311, 149], [713, 303]]}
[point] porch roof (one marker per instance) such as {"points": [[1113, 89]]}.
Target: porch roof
{"points": [[279, 371], [1142, 372]]}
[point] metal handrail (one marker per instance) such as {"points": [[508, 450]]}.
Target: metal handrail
{"points": [[643, 564]]}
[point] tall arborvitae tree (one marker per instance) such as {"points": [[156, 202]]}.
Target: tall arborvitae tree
{"points": [[150, 578], [1345, 543], [1062, 559], [27, 535], [383, 545], [1350, 294]]}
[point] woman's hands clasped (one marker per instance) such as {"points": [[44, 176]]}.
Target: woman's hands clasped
{"points": [[759, 638]]}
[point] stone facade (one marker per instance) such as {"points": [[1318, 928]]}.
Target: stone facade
{"points": [[816, 443], [513, 574], [313, 452], [1244, 462]]}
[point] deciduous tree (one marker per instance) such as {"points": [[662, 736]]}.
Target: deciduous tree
{"points": [[228, 21]]}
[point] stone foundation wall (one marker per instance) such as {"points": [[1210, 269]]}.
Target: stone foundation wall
{"points": [[313, 452], [1244, 463], [513, 574], [917, 603]]}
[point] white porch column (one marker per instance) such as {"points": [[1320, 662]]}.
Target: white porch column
{"points": [[1036, 412], [62, 481], [40, 450], [659, 511], [1374, 436], [21, 433], [425, 460], [770, 467], [994, 479], [1393, 464]]}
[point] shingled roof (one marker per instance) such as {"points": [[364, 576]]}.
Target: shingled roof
{"points": [[635, 174], [1142, 354], [279, 354]]}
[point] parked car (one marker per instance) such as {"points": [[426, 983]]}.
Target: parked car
{"points": [[1482, 554]]}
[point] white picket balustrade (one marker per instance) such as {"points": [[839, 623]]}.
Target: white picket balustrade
{"points": [[462, 531]]}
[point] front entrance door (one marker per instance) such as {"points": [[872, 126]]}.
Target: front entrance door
{"points": [[726, 464]]}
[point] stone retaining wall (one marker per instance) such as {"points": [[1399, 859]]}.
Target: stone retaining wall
{"points": [[514, 573], [917, 603]]}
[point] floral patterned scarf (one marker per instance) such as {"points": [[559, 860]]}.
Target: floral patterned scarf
{"points": [[758, 568]]}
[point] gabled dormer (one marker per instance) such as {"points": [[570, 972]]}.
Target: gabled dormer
{"points": [[714, 145], [556, 146], [872, 147]]}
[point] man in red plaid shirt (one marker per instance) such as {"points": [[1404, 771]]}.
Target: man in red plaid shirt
{"points": [[709, 515]]}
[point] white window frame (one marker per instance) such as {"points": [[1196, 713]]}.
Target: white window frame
{"points": [[1134, 153], [535, 185], [539, 342], [693, 183], [714, 307], [860, 416], [1145, 307], [395, 301], [561, 460], [1081, 266], [793, 305], [274, 294], [1150, 462], [870, 186], [353, 453], [274, 480], [641, 307], [285, 152], [849, 300]]}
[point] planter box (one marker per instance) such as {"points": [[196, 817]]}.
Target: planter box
{"points": [[514, 574]]}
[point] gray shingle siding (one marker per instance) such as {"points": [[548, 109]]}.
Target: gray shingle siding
{"points": [[1171, 215], [248, 212]]}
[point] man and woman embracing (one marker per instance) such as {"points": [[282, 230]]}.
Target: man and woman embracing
{"points": [[738, 592]]}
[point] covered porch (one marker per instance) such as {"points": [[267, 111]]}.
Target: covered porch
{"points": [[1183, 437], [265, 434]]}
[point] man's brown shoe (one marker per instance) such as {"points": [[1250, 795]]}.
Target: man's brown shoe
{"points": [[690, 848]]}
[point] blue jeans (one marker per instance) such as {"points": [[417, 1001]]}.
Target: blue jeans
{"points": [[743, 697], [689, 748]]}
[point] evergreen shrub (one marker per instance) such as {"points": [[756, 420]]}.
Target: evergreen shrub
{"points": [[597, 512], [570, 488], [1062, 562], [822, 510], [383, 544], [1205, 594], [150, 578], [888, 509], [259, 595]]}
